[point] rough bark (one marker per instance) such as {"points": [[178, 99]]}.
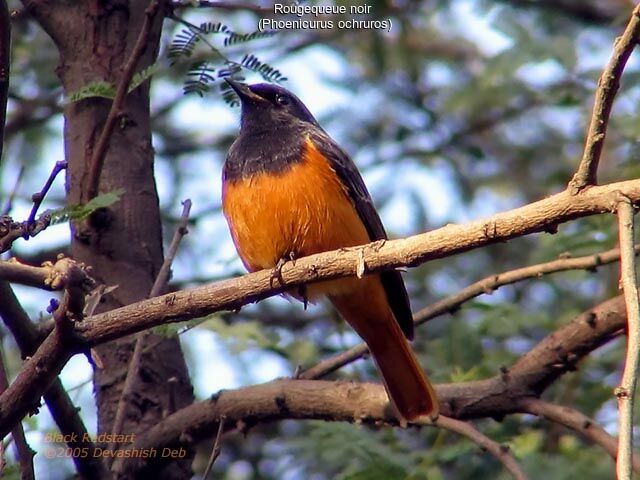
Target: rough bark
{"points": [[124, 243]]}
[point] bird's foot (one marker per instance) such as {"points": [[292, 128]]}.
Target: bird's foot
{"points": [[276, 274]]}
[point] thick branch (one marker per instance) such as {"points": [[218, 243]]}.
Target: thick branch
{"points": [[608, 86], [62, 409], [39, 371], [49, 276], [23, 450], [345, 401]]}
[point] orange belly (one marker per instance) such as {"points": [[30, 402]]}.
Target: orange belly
{"points": [[303, 210]]}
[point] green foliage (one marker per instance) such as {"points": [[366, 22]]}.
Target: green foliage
{"points": [[240, 335], [201, 73], [199, 77], [267, 72], [108, 90], [93, 90], [82, 211], [185, 42], [353, 452]]}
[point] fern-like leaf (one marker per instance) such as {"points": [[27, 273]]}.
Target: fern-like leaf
{"points": [[265, 70], [200, 76], [209, 27], [234, 38], [143, 75], [183, 44], [95, 89], [80, 212]]}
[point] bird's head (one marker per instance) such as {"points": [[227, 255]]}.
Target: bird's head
{"points": [[270, 105]]}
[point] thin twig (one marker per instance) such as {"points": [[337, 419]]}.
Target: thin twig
{"points": [[215, 451], [222, 6], [9, 204], [100, 152], [577, 421], [11, 230], [181, 231], [5, 61], [608, 86], [625, 392], [500, 451], [156, 289], [24, 452], [450, 304], [38, 197], [3, 460]]}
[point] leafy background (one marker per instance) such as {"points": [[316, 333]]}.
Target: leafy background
{"points": [[464, 109]]}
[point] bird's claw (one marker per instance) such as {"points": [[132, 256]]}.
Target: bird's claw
{"points": [[276, 274]]}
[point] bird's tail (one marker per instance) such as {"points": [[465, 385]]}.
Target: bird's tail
{"points": [[368, 312], [407, 385]]}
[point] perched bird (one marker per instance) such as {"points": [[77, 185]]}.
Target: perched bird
{"points": [[290, 191]]}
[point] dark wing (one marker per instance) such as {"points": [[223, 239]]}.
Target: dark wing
{"points": [[351, 178]]}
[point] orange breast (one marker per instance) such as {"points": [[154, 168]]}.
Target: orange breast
{"points": [[305, 209]]}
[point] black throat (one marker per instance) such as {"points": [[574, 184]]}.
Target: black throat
{"points": [[265, 149]]}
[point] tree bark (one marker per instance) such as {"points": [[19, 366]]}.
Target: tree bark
{"points": [[123, 244]]}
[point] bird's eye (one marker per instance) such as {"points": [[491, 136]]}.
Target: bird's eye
{"points": [[282, 99]]}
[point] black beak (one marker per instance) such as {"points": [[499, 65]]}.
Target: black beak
{"points": [[244, 91]]}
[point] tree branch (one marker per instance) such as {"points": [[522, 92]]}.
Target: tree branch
{"points": [[221, 5], [576, 421], [5, 62], [39, 371], [453, 302], [156, 289], [39, 197], [11, 230], [100, 152], [608, 86], [24, 452], [626, 391], [364, 402], [597, 12], [49, 276], [62, 409], [501, 452]]}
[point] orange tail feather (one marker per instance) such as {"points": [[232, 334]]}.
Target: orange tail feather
{"points": [[366, 309], [405, 380]]}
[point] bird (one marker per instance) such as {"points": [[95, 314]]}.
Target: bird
{"points": [[288, 191]]}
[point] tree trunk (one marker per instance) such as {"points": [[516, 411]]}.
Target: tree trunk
{"points": [[123, 243]]}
